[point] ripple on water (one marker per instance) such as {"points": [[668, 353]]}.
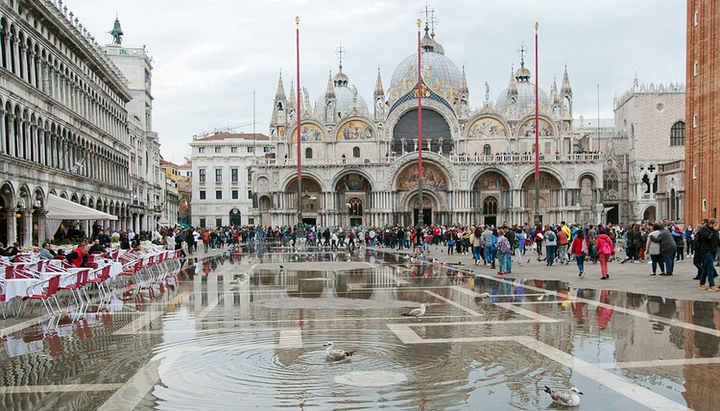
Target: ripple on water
{"points": [[226, 370]]}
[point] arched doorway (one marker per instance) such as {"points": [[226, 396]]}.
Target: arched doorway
{"points": [[491, 194], [311, 199], [235, 217], [650, 214], [435, 187], [352, 192], [551, 198]]}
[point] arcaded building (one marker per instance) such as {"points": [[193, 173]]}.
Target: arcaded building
{"points": [[64, 126]]}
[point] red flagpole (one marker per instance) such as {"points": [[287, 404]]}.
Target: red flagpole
{"points": [[419, 87], [537, 217], [421, 210], [300, 228], [297, 47], [537, 140]]}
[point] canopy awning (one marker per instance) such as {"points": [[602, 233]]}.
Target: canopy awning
{"points": [[183, 225], [62, 209]]}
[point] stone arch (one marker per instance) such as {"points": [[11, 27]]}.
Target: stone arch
{"points": [[650, 213], [344, 175], [588, 184], [437, 132], [490, 182], [436, 177], [529, 177], [356, 129], [430, 157], [265, 203], [487, 126]]}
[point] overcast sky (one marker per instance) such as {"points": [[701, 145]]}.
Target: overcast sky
{"points": [[211, 55]]}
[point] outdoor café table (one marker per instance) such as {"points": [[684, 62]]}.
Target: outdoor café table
{"points": [[17, 287]]}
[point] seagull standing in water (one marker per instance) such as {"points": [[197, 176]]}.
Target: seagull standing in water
{"points": [[567, 399], [416, 312], [334, 354]]}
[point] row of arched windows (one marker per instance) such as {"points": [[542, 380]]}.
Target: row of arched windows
{"points": [[28, 136], [79, 90]]}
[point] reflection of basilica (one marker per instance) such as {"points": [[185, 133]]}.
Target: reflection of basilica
{"points": [[359, 161]]}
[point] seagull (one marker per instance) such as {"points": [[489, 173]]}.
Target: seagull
{"points": [[567, 399], [417, 312], [485, 295], [334, 355]]}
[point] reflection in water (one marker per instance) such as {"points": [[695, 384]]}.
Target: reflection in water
{"points": [[704, 314], [255, 338]]}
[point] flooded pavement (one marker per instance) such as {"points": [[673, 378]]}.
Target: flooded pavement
{"points": [[246, 331]]}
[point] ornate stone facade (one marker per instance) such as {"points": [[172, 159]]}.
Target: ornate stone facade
{"points": [[478, 163]]}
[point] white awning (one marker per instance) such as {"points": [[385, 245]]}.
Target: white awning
{"points": [[62, 209]]}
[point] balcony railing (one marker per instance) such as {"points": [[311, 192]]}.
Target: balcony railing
{"points": [[455, 158]]}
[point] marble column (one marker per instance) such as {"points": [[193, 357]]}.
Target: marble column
{"points": [[27, 236], [11, 225]]}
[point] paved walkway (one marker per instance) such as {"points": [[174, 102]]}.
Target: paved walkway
{"points": [[629, 277]]}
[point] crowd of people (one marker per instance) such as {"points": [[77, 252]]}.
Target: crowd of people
{"points": [[498, 246]]}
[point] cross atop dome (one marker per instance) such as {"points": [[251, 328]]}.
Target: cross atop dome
{"points": [[429, 19], [339, 52], [522, 51]]}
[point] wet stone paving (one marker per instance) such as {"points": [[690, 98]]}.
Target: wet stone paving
{"points": [[245, 330]]}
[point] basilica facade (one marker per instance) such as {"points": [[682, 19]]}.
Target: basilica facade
{"points": [[359, 161]]}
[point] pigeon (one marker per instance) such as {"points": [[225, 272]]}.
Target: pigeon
{"points": [[416, 312], [567, 399], [335, 355]]}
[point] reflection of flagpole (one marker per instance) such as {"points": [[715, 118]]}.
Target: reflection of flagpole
{"points": [[299, 228], [538, 219], [421, 216]]}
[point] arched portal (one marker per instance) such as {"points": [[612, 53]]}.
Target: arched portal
{"points": [[435, 187], [235, 217], [491, 194], [650, 214], [311, 200], [436, 134], [352, 193], [550, 198]]}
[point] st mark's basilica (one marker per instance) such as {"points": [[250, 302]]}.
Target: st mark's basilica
{"points": [[360, 161]]}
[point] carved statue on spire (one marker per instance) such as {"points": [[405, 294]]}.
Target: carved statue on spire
{"points": [[116, 32]]}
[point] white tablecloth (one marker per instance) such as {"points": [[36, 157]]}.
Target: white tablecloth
{"points": [[17, 287], [116, 269], [16, 346]]}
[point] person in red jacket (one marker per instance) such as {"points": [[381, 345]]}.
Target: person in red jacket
{"points": [[79, 257], [580, 249], [605, 249]]}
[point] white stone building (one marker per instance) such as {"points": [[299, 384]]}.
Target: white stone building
{"points": [[652, 119], [147, 182], [222, 183], [64, 124], [360, 161]]}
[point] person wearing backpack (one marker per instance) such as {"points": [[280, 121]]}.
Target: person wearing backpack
{"points": [[520, 249], [550, 241], [605, 249], [512, 238], [503, 253]]}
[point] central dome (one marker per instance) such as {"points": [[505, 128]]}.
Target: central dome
{"points": [[525, 91], [344, 96], [439, 72]]}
